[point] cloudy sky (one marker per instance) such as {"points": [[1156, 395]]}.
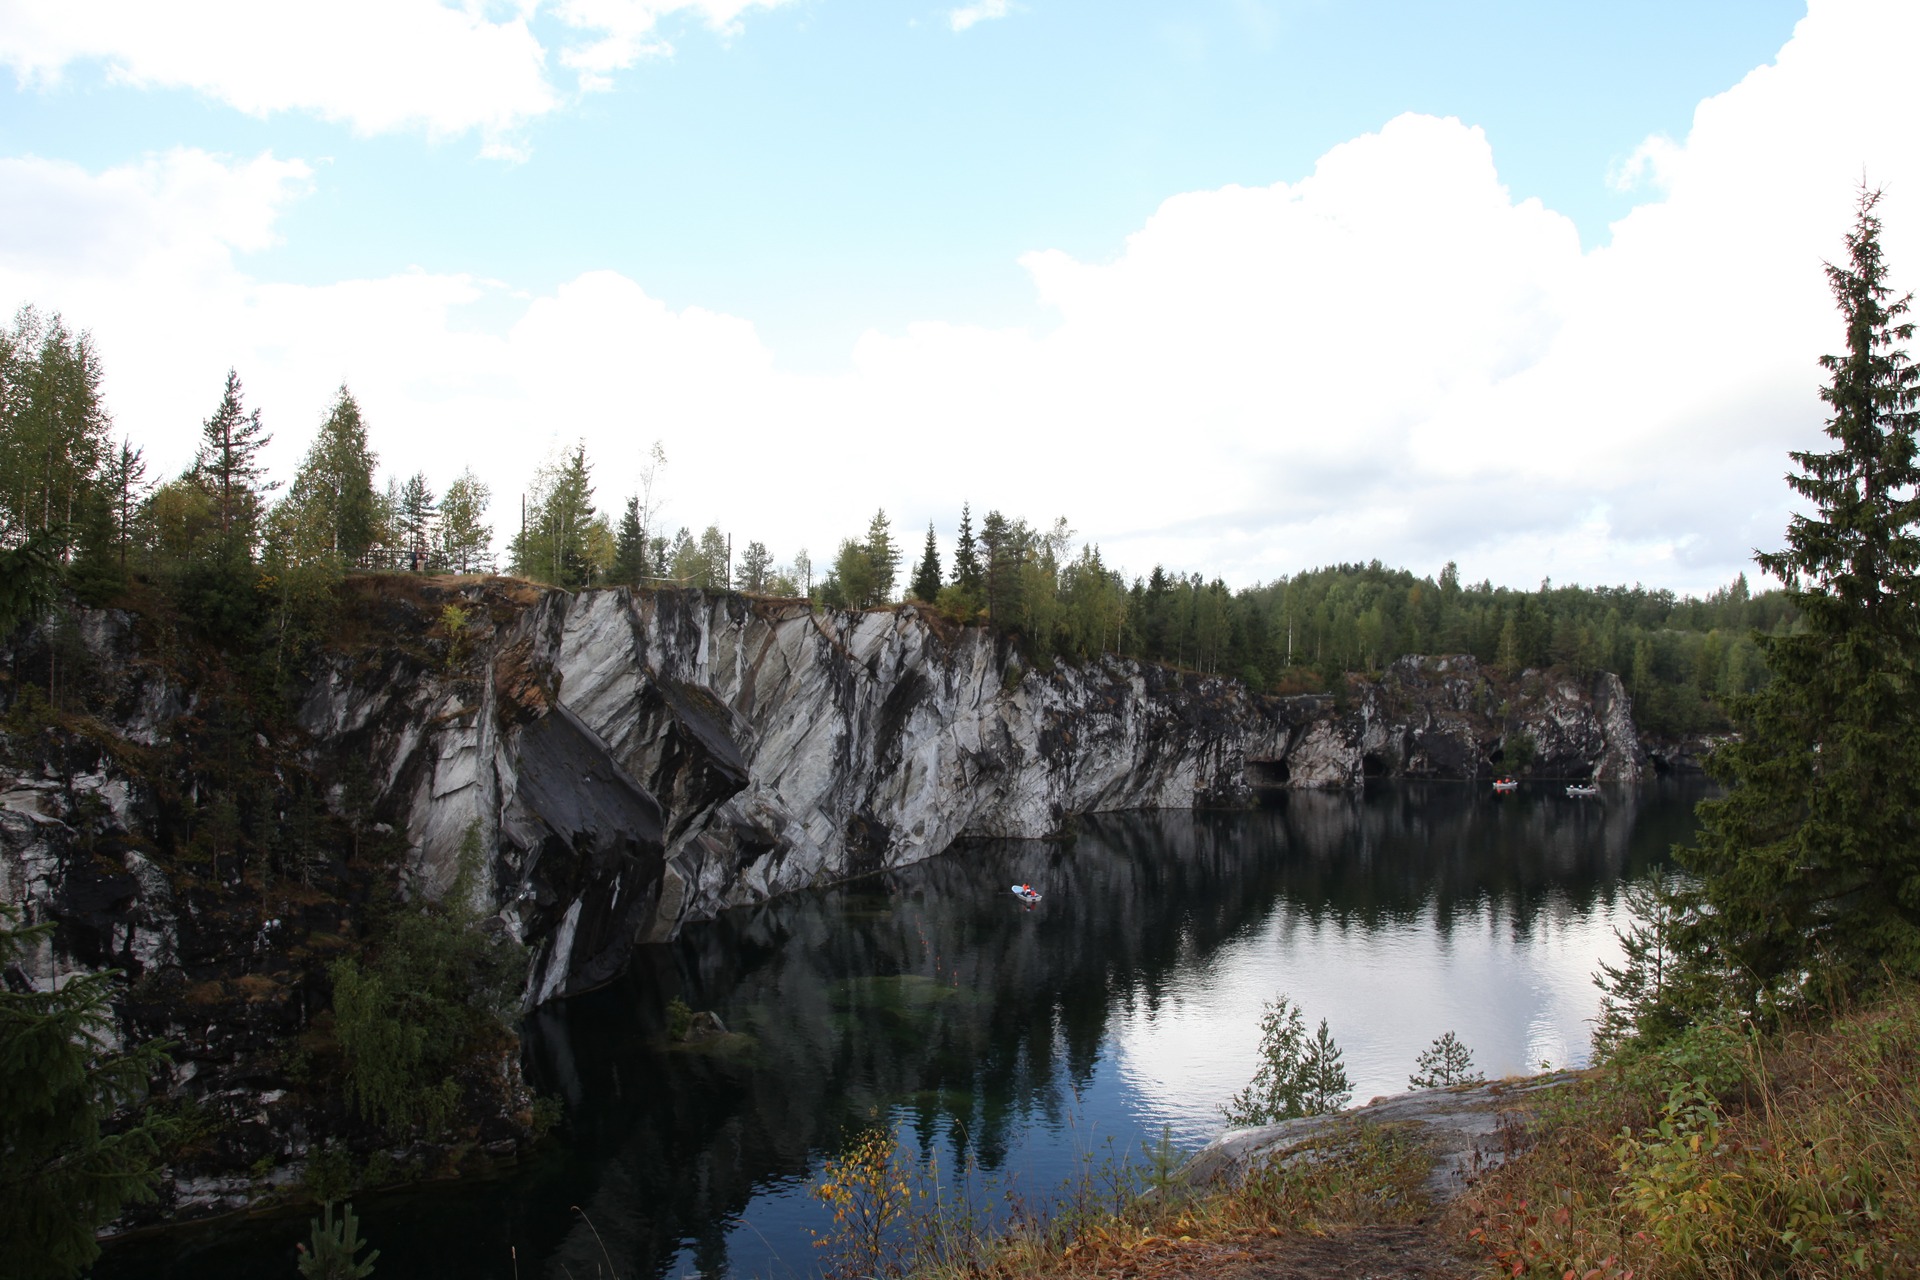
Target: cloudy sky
{"points": [[1237, 286]]}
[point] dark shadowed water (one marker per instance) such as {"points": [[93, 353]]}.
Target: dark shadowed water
{"points": [[1124, 1006]]}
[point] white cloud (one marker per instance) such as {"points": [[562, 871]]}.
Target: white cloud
{"points": [[1650, 165], [965, 16], [375, 65], [1389, 357]]}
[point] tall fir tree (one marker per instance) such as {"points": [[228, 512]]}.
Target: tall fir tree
{"points": [[228, 468], [126, 484], [926, 579], [966, 558], [1809, 868], [630, 546], [883, 554]]}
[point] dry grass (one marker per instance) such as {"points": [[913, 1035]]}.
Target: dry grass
{"points": [[1724, 1158], [1350, 1203]]}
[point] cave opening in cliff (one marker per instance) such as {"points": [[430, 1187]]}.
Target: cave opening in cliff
{"points": [[1268, 780], [1373, 765]]}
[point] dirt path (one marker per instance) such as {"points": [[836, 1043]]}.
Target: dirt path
{"points": [[1410, 1252]]}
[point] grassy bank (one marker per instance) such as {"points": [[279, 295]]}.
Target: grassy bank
{"points": [[1725, 1155], [1722, 1155]]}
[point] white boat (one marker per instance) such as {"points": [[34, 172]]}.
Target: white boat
{"points": [[1584, 790], [1026, 894], [1504, 785]]}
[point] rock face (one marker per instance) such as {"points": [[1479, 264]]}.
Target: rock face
{"points": [[1447, 717], [627, 763], [634, 761]]}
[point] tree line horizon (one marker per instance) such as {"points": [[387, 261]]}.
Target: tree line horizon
{"points": [[78, 509]]}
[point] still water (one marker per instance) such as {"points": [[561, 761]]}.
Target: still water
{"points": [[1124, 1006]]}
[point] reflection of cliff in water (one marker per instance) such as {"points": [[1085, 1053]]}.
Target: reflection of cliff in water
{"points": [[933, 986]]}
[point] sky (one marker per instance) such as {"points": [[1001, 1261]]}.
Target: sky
{"points": [[1238, 287]]}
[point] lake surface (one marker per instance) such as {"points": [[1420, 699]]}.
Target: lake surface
{"points": [[1125, 1006]]}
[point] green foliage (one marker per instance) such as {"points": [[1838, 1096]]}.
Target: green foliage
{"points": [[1520, 751], [61, 1174], [331, 514], [1444, 1063], [329, 1174], [228, 470], [53, 430], [463, 541], [926, 578], [436, 990], [679, 1019], [554, 548], [1297, 1076], [755, 573], [330, 1253], [1809, 867], [1663, 983], [29, 579], [414, 518]]}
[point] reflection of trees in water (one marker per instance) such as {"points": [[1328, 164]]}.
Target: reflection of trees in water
{"points": [[931, 989]]}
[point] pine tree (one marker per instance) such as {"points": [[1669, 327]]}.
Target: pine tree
{"points": [[1443, 1064], [417, 510], [1297, 1076], [61, 1178], [228, 468], [1809, 867], [926, 579], [756, 568], [334, 1244]]}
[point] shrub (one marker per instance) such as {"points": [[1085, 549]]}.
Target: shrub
{"points": [[436, 990]]}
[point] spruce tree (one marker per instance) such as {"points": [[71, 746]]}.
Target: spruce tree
{"points": [[630, 546], [228, 467], [61, 1177], [926, 579], [331, 509], [126, 484], [1809, 868], [966, 559], [883, 554]]}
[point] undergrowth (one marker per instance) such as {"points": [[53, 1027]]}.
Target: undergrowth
{"points": [[1722, 1156]]}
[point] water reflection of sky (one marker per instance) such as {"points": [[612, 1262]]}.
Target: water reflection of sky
{"points": [[1394, 920], [1517, 998]]}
